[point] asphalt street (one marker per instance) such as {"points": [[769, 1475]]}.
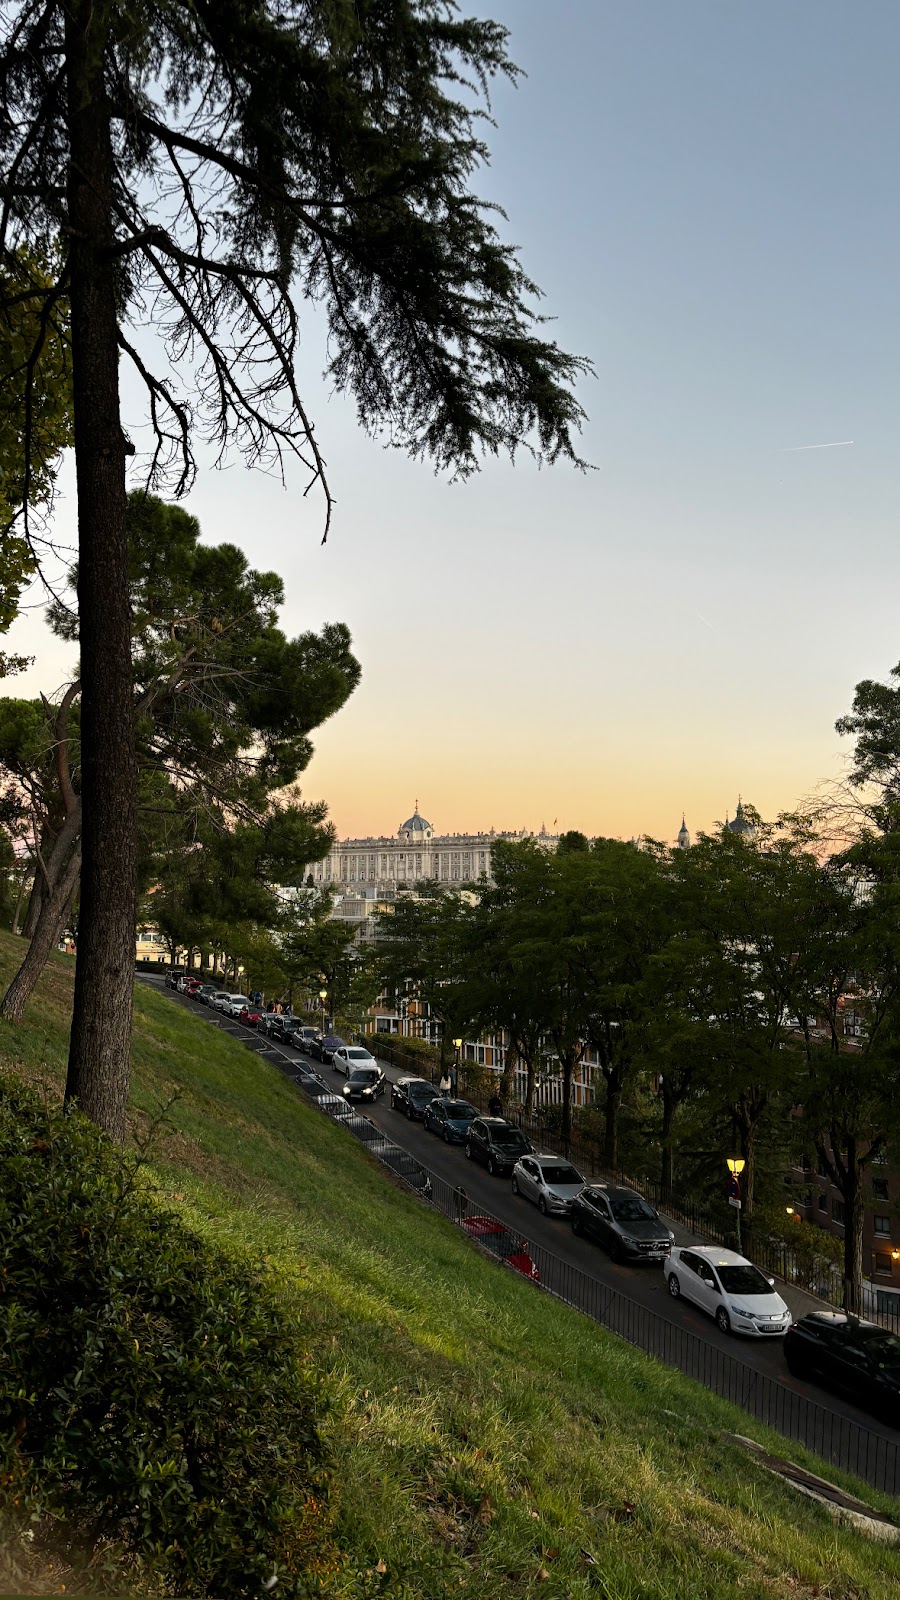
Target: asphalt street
{"points": [[642, 1283]]}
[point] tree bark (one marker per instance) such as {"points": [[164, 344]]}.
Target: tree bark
{"points": [[615, 1080], [104, 972], [853, 1228], [54, 911], [667, 1166]]}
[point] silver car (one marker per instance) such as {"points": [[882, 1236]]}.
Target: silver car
{"points": [[350, 1057], [551, 1182], [236, 1004]]}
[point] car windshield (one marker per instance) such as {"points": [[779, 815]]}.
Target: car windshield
{"points": [[421, 1091], [632, 1209], [358, 1055], [364, 1075], [460, 1110], [744, 1279], [512, 1137], [239, 1000], [882, 1347], [561, 1174]]}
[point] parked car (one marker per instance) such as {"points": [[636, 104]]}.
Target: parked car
{"points": [[365, 1083], [327, 1046], [172, 977], [336, 1106], [623, 1222], [304, 1036], [220, 999], [729, 1288], [497, 1143], [250, 1016], [205, 993], [449, 1119], [845, 1353], [278, 1026], [508, 1246], [184, 981], [235, 1005], [549, 1181], [406, 1167], [351, 1056], [412, 1096]]}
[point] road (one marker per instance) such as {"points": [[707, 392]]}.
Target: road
{"points": [[642, 1283]]}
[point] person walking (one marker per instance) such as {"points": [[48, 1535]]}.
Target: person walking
{"points": [[495, 1105], [446, 1083]]}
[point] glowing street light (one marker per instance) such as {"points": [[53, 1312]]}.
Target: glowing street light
{"points": [[323, 996], [735, 1165]]}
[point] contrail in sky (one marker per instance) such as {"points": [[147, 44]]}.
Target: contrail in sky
{"points": [[792, 449], [708, 624]]}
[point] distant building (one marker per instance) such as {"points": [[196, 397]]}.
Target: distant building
{"points": [[683, 841], [375, 868], [740, 824]]}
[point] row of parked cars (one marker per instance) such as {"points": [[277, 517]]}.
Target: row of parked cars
{"points": [[858, 1359]]}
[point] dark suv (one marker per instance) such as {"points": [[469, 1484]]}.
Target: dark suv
{"points": [[623, 1222], [857, 1358], [412, 1096], [497, 1143]]}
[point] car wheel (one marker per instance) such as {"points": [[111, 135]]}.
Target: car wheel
{"points": [[468, 1152], [576, 1224], [615, 1249], [446, 1136], [515, 1186], [490, 1166], [409, 1113], [673, 1286], [723, 1320], [542, 1206]]}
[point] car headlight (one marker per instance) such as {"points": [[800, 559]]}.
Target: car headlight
{"points": [[626, 1239], [740, 1312], [671, 1237]]}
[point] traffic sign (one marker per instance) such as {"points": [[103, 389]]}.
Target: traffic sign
{"points": [[733, 1202]]}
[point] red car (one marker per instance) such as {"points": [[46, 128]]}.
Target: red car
{"points": [[502, 1243], [250, 1017]]}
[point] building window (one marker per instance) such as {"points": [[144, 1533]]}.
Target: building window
{"points": [[879, 1188], [882, 1262], [883, 1227], [837, 1211], [823, 1202]]}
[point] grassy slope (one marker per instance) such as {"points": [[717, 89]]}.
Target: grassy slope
{"points": [[484, 1435]]}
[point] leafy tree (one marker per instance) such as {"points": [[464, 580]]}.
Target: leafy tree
{"points": [[216, 164], [421, 952], [35, 412], [225, 706]]}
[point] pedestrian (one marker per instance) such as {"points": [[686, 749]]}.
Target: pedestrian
{"points": [[454, 1080], [495, 1105], [461, 1202], [446, 1083], [270, 1007]]}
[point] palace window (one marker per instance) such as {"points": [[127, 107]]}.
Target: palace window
{"points": [[882, 1262], [838, 1211], [879, 1188], [882, 1227]]}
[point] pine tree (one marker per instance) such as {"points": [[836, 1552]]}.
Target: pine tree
{"points": [[209, 165]]}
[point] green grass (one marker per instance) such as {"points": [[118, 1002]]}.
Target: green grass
{"points": [[484, 1436]]}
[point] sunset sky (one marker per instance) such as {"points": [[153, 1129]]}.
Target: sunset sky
{"points": [[708, 196]]}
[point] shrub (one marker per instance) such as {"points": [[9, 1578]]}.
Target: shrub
{"points": [[152, 1390]]}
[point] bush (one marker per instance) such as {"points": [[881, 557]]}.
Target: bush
{"points": [[152, 1391]]}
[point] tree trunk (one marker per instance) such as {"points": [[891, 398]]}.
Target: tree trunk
{"points": [[614, 1080], [104, 972], [853, 1230], [667, 1165], [507, 1077], [55, 909], [28, 873], [530, 1084], [568, 1066]]}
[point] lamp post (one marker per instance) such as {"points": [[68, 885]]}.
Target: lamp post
{"points": [[323, 996], [735, 1165], [457, 1045]]}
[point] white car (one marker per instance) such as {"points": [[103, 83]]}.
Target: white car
{"points": [[351, 1056], [336, 1106], [235, 1005], [730, 1288], [551, 1182], [219, 1000]]}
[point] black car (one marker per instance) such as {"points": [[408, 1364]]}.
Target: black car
{"points": [[412, 1096], [857, 1358], [364, 1083], [173, 976], [497, 1143], [450, 1119], [283, 1028], [407, 1168], [623, 1222], [304, 1036]]}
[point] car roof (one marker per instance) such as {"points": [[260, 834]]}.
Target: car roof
{"points": [[498, 1122], [406, 1081], [838, 1319], [718, 1256]]}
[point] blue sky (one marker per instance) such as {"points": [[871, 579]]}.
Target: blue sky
{"points": [[708, 195]]}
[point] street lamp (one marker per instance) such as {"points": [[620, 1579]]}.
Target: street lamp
{"points": [[457, 1045], [735, 1165], [323, 996]]}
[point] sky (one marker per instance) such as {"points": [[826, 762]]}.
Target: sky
{"points": [[708, 196]]}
